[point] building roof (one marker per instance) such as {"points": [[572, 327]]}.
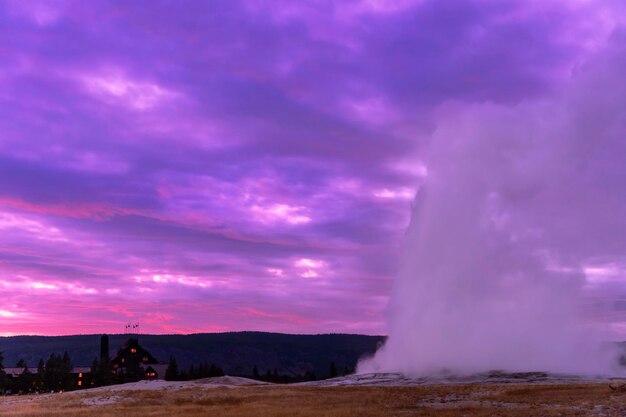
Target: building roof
{"points": [[126, 352], [18, 371]]}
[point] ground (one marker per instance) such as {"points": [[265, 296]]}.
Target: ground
{"points": [[239, 397]]}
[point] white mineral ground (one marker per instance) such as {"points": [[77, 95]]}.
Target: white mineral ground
{"points": [[104, 396]]}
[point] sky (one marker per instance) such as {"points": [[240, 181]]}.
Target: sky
{"points": [[251, 165]]}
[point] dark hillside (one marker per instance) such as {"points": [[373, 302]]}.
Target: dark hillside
{"points": [[237, 353]]}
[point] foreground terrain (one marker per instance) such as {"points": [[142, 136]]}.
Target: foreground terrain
{"points": [[228, 396]]}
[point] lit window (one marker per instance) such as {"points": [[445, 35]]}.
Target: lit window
{"points": [[123, 360], [145, 359], [80, 374], [133, 350], [80, 383]]}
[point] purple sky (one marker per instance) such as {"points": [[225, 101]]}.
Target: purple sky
{"points": [[243, 165]]}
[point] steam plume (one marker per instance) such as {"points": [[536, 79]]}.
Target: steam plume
{"points": [[517, 203]]}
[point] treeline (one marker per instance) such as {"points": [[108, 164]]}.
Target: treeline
{"points": [[204, 370], [285, 378], [55, 374]]}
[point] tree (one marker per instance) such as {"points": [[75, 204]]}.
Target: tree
{"points": [[66, 372], [171, 373], [96, 372], [255, 373], [66, 363], [2, 374], [215, 371], [24, 381], [333, 370], [40, 374], [51, 379], [57, 372]]}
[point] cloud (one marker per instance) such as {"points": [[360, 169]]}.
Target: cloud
{"points": [[223, 141]]}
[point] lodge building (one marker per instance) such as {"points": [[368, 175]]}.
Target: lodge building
{"points": [[131, 362], [134, 362]]}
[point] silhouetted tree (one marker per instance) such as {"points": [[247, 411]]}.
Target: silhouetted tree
{"points": [[203, 370], [66, 371], [57, 372], [215, 371], [24, 382], [171, 373], [3, 377], [96, 373], [39, 378], [333, 370], [255, 373], [51, 373]]}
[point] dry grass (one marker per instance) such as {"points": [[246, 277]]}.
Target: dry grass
{"points": [[516, 400]]}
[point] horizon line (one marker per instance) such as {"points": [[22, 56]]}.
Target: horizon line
{"points": [[190, 334]]}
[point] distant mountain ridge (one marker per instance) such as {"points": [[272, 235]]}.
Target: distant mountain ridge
{"points": [[235, 352]]}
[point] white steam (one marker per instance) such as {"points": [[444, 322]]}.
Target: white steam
{"points": [[517, 203]]}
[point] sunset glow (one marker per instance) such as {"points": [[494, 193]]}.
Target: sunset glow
{"points": [[221, 165]]}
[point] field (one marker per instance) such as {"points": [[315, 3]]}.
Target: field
{"points": [[236, 400]]}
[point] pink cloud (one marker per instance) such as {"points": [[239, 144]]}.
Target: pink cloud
{"points": [[246, 156]]}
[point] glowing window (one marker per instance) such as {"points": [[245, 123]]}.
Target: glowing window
{"points": [[133, 350], [145, 359], [123, 360], [80, 374], [80, 383]]}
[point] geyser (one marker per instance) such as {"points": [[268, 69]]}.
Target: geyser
{"points": [[518, 202]]}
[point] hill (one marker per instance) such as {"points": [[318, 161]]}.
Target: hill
{"points": [[236, 352]]}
